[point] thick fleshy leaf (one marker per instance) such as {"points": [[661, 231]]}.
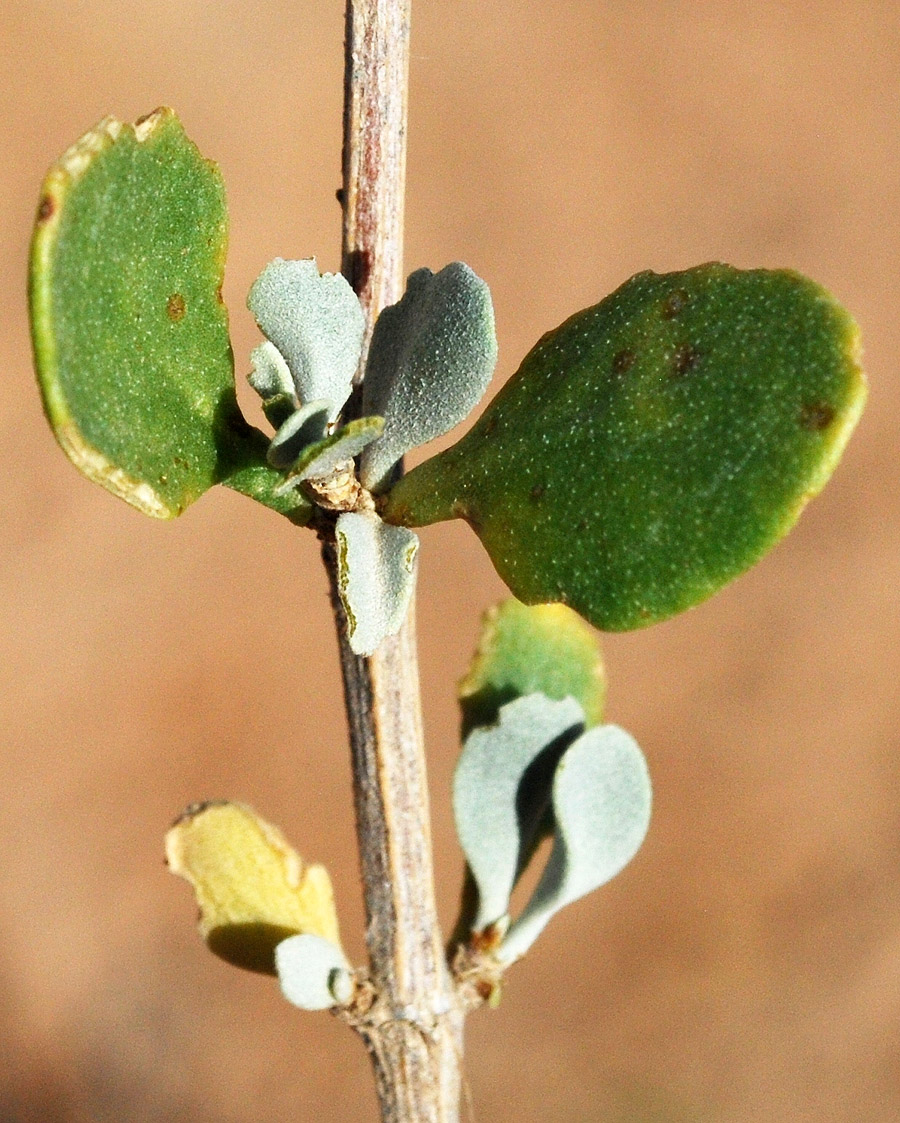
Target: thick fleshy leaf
{"points": [[430, 361], [130, 333], [319, 460], [314, 974], [544, 648], [501, 789], [317, 324], [376, 577], [655, 446], [252, 888], [601, 805]]}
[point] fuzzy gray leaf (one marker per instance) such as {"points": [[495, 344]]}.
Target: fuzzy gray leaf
{"points": [[313, 972], [304, 427], [501, 789], [376, 576], [430, 361], [317, 324], [601, 803], [271, 376]]}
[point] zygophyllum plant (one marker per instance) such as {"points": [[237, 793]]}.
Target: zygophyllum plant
{"points": [[646, 452]]}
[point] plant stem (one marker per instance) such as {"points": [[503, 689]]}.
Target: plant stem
{"points": [[413, 1029]]}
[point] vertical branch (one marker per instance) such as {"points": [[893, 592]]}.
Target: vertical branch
{"points": [[376, 85], [413, 1029]]}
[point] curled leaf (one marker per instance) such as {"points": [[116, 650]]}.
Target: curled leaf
{"points": [[252, 888], [319, 460], [501, 789], [304, 427], [271, 379], [314, 973]]}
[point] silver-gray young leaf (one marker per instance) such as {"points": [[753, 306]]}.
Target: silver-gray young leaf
{"points": [[376, 576], [501, 789], [313, 972], [601, 805], [304, 427], [270, 376], [317, 324], [430, 361]]}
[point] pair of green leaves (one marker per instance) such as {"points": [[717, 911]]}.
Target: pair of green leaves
{"points": [[647, 451]]}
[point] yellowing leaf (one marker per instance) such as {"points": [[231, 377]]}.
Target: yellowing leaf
{"points": [[252, 888], [523, 649]]}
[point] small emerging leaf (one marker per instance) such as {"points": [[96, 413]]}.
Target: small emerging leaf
{"points": [[271, 379], [271, 376], [544, 648], [252, 888], [317, 324], [501, 789], [319, 460], [314, 973], [430, 361], [601, 804], [305, 426], [654, 446], [130, 333], [376, 577]]}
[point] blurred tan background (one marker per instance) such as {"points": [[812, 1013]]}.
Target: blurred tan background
{"points": [[746, 967]]}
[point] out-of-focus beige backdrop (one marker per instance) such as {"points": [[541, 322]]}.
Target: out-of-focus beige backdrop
{"points": [[746, 967]]}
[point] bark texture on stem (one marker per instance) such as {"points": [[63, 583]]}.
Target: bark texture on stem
{"points": [[376, 85], [413, 1029]]}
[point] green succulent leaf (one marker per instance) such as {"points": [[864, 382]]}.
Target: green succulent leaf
{"points": [[655, 446], [601, 807], [524, 649], [130, 333], [501, 791]]}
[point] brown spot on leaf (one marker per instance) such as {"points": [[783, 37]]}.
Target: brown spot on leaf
{"points": [[685, 359], [674, 304], [537, 492], [175, 307], [46, 208], [489, 426], [816, 416], [623, 361]]}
